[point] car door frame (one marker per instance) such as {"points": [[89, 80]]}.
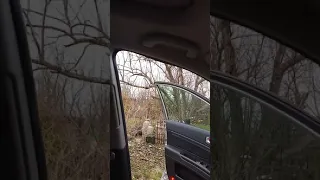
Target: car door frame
{"points": [[120, 167], [23, 148]]}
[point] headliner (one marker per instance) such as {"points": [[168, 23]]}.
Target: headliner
{"points": [[292, 24], [131, 22]]}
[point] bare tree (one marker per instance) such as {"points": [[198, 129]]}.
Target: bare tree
{"points": [[59, 33], [141, 72], [69, 44]]}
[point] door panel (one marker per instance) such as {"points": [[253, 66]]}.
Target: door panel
{"points": [[187, 150], [188, 139]]}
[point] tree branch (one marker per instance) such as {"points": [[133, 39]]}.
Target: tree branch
{"points": [[42, 14], [96, 41], [137, 86], [70, 74]]}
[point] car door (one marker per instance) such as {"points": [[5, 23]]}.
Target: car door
{"points": [[187, 116]]}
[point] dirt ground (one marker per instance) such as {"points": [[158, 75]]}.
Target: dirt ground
{"points": [[147, 160]]}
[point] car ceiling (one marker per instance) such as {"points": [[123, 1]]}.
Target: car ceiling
{"points": [[137, 25], [185, 23]]}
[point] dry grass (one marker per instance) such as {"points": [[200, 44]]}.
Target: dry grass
{"points": [[147, 160], [75, 148]]}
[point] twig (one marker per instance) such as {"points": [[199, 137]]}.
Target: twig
{"points": [[137, 86]]}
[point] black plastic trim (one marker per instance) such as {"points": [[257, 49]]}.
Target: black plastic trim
{"points": [[121, 156]]}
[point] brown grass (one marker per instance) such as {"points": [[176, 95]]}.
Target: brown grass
{"points": [[147, 161], [76, 148]]}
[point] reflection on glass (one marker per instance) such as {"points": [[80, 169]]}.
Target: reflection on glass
{"points": [[253, 141], [263, 62], [185, 107], [69, 47]]}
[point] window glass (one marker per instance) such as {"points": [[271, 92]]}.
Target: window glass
{"points": [[263, 62], [69, 47], [183, 106], [253, 141]]}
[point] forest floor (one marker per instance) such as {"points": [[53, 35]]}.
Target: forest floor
{"points": [[147, 160]]}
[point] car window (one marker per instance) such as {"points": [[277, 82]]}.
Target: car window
{"points": [[183, 106], [251, 139], [254, 141], [70, 51], [265, 63]]}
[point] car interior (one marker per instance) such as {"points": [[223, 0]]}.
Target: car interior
{"points": [[165, 47], [169, 31], [174, 32]]}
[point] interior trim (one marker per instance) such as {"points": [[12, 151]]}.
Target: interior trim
{"points": [[154, 40]]}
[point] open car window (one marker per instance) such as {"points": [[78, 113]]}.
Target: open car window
{"points": [[183, 105]]}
